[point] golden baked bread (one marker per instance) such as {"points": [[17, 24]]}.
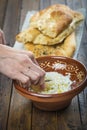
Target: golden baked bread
{"points": [[45, 40], [51, 25], [52, 21], [27, 35], [65, 48]]}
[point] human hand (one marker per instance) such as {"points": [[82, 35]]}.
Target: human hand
{"points": [[20, 65]]}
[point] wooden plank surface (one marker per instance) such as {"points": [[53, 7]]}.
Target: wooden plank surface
{"points": [[11, 21], [58, 2], [10, 28], [44, 4], [17, 112], [81, 57], [74, 4], [21, 108], [82, 97], [3, 5], [5, 92], [20, 113], [28, 5], [43, 120]]}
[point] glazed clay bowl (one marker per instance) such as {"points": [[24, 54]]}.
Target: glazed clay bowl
{"points": [[64, 65]]}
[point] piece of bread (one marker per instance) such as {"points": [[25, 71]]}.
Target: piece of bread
{"points": [[66, 48], [45, 40], [54, 20], [69, 45], [27, 35], [51, 25]]}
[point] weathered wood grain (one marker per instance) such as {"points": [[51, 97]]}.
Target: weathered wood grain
{"points": [[74, 4], [44, 4], [69, 118], [17, 112], [10, 26], [83, 108], [43, 120], [3, 5], [58, 2], [82, 57], [11, 21], [28, 5], [84, 3], [5, 93], [20, 114], [82, 54]]}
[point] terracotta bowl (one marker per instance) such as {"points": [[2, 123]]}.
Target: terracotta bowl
{"points": [[52, 102]]}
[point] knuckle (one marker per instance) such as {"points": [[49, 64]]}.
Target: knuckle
{"points": [[25, 59], [36, 78], [25, 80], [13, 74]]}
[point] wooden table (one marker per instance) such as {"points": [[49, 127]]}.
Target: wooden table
{"points": [[17, 112]]}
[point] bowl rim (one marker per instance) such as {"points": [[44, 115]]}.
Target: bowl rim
{"points": [[21, 89], [81, 86]]}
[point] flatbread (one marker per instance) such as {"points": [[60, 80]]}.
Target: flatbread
{"points": [[27, 35], [51, 21], [51, 25], [66, 48]]}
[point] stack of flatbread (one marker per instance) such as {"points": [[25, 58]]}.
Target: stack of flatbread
{"points": [[51, 31]]}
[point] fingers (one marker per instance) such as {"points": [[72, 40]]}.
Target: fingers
{"points": [[33, 70], [22, 66], [40, 73], [2, 37], [42, 82], [25, 80], [35, 77], [29, 78], [30, 55], [30, 69]]}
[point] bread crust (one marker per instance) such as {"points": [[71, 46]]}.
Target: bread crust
{"points": [[27, 35], [54, 20], [66, 48], [50, 26], [51, 21]]}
